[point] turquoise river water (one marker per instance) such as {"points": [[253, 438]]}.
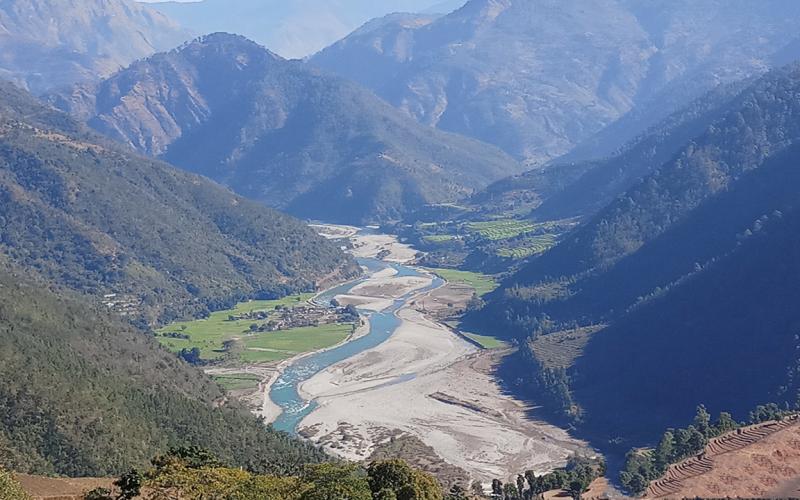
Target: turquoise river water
{"points": [[382, 325]]}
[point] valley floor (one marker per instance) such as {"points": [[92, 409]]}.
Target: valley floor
{"points": [[427, 382]]}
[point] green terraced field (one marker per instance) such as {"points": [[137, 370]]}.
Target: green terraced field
{"points": [[486, 341], [237, 381], [501, 229], [439, 238], [533, 246], [482, 283]]}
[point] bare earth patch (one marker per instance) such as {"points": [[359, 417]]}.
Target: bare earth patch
{"points": [[60, 488], [761, 461]]}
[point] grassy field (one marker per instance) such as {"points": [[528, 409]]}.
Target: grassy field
{"points": [[532, 246], [486, 341], [502, 229], [482, 283], [439, 238], [211, 333], [274, 346], [238, 381]]}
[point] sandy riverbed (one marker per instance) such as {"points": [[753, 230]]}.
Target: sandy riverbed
{"points": [[377, 244], [453, 405], [426, 382]]}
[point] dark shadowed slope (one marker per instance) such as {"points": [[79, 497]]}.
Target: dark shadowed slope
{"points": [[691, 275], [724, 334], [93, 216], [281, 133]]}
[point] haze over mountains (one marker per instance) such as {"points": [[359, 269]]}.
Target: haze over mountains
{"points": [[625, 172], [294, 29], [538, 78], [284, 134], [46, 44]]}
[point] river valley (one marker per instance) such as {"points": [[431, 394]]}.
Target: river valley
{"points": [[406, 374]]}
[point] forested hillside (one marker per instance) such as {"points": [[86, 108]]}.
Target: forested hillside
{"points": [[726, 333], [278, 132], [84, 394], [685, 276], [91, 215], [587, 277]]}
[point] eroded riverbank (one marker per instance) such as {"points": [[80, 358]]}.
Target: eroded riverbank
{"points": [[421, 380]]}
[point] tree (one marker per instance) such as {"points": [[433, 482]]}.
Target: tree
{"points": [[404, 481], [725, 423], [576, 489], [334, 482], [457, 493], [510, 492], [697, 440], [665, 452], [130, 485], [634, 481], [192, 457], [497, 488], [10, 488], [191, 356], [702, 421], [95, 494]]}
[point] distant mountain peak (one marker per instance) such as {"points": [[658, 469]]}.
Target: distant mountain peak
{"points": [[539, 77], [284, 133], [50, 43]]}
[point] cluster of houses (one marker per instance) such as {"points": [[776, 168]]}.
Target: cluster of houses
{"points": [[284, 318], [124, 305]]}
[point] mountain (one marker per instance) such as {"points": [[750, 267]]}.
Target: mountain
{"points": [[284, 134], [95, 217], [573, 279], [689, 273], [582, 188], [46, 44], [293, 29], [725, 335], [84, 394], [539, 77]]}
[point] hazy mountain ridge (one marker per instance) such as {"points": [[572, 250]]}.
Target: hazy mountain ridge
{"points": [[582, 188], [293, 29], [284, 134], [539, 77], [93, 216], [45, 44]]}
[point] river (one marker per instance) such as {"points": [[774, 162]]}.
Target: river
{"points": [[284, 391]]}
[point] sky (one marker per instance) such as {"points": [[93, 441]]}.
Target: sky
{"points": [[291, 28]]}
